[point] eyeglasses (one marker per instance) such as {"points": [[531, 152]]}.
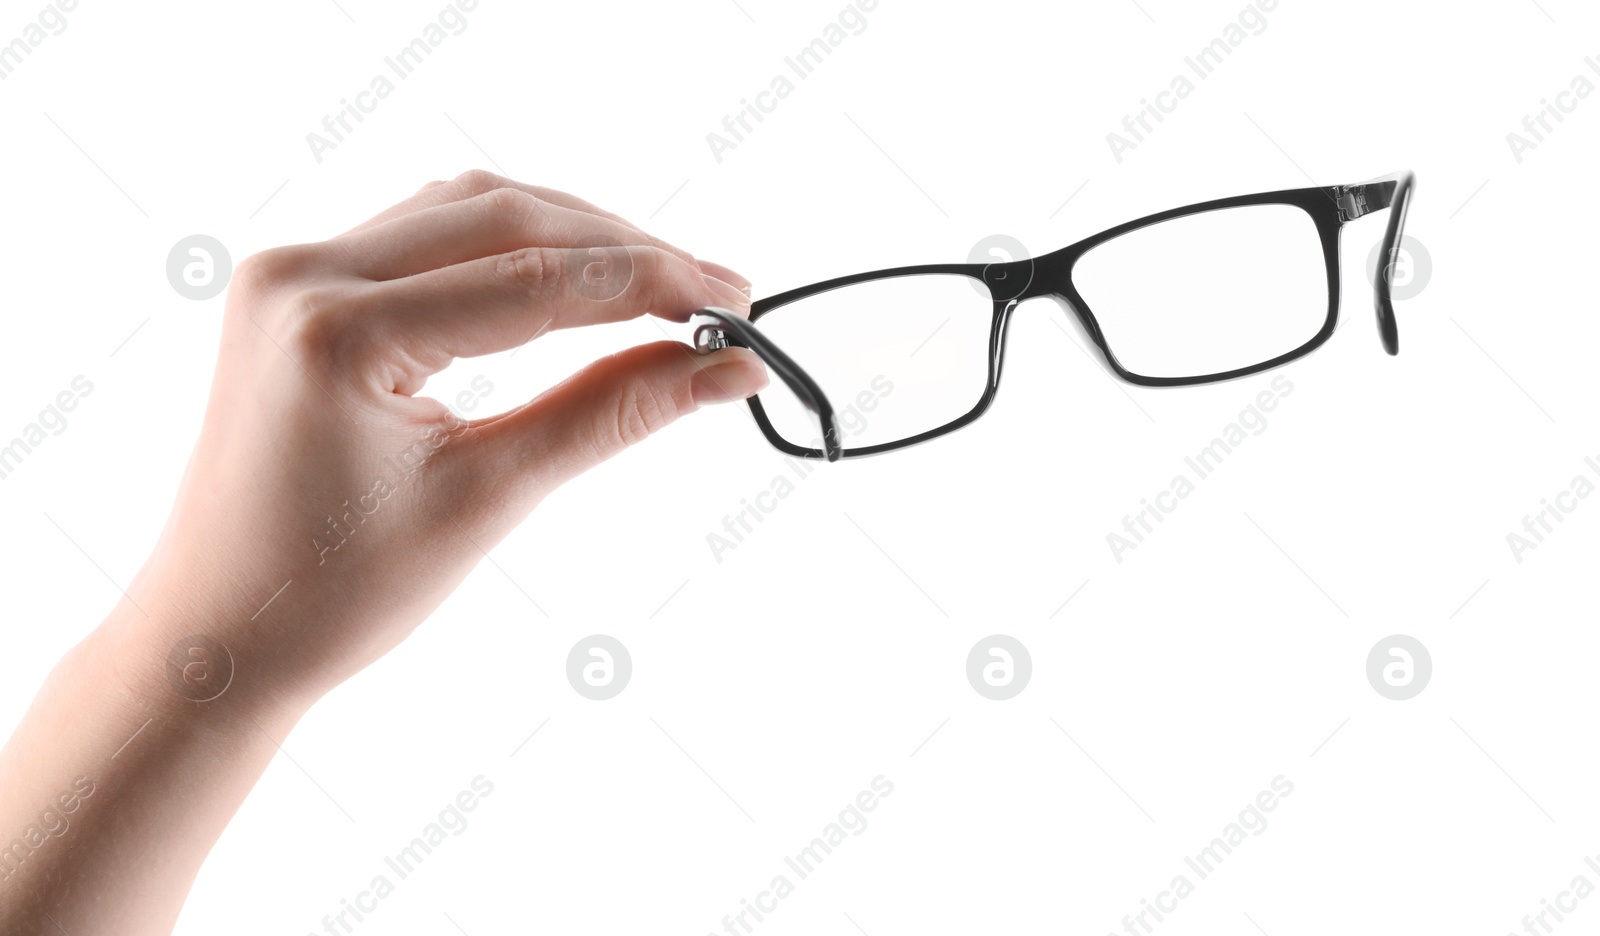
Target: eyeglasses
{"points": [[1213, 291]]}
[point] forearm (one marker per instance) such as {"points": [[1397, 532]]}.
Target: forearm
{"points": [[115, 786]]}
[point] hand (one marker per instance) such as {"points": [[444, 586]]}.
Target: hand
{"points": [[317, 465]]}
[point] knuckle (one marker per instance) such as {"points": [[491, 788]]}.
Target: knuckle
{"points": [[509, 205], [270, 270], [318, 330], [479, 181], [531, 269], [641, 411]]}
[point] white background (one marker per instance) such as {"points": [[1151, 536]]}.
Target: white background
{"points": [[830, 647]]}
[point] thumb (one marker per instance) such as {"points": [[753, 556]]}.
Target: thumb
{"points": [[613, 403]]}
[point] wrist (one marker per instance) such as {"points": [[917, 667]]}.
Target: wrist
{"points": [[171, 649], [130, 756]]}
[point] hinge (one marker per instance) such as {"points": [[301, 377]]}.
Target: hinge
{"points": [[1352, 201], [709, 338]]}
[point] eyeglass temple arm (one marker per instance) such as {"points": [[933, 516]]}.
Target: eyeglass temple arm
{"points": [[731, 330], [1393, 192]]}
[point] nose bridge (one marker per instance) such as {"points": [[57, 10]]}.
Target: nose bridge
{"points": [[1009, 280], [1027, 277], [1047, 276]]}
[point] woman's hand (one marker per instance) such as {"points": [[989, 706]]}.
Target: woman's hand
{"points": [[317, 465], [325, 512]]}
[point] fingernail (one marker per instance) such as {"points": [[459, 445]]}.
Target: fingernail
{"points": [[726, 275], [730, 374], [728, 294]]}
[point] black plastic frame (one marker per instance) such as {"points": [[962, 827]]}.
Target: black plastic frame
{"points": [[727, 329], [1329, 207]]}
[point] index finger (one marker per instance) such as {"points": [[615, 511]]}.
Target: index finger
{"points": [[477, 182]]}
